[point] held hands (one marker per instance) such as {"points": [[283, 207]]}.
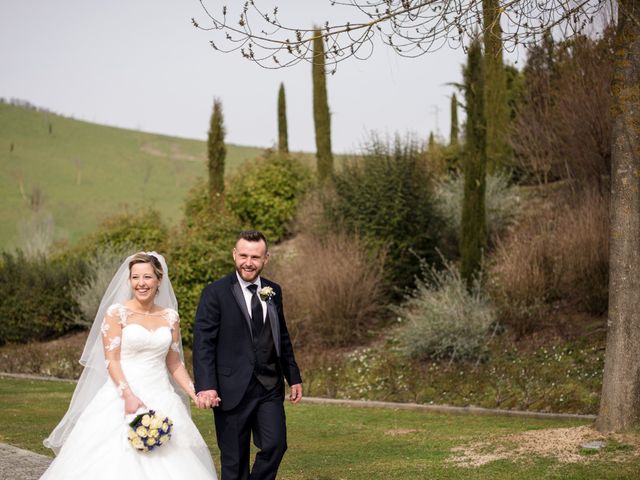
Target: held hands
{"points": [[207, 399], [296, 393]]}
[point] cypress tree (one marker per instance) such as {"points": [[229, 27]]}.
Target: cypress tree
{"points": [[453, 137], [473, 236], [283, 136], [216, 152], [495, 91], [321, 115], [432, 142]]}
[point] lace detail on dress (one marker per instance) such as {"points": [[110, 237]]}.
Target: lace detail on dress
{"points": [[114, 343], [172, 317], [175, 346], [121, 311]]}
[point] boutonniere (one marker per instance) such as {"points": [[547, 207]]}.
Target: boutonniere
{"points": [[266, 293]]}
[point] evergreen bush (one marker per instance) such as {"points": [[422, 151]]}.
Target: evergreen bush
{"points": [[37, 296], [385, 196], [265, 193]]}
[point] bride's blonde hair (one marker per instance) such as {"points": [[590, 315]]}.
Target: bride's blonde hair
{"points": [[143, 257]]}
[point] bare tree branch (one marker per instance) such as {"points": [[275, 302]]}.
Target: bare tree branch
{"points": [[410, 27]]}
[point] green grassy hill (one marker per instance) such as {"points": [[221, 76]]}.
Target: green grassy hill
{"points": [[85, 172]]}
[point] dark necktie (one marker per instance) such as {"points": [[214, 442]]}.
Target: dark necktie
{"points": [[256, 309]]}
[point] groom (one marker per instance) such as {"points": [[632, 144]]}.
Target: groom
{"points": [[241, 351]]}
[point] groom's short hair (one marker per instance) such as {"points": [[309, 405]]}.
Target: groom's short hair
{"points": [[253, 236]]}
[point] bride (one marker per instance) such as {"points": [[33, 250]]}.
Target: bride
{"points": [[133, 346]]}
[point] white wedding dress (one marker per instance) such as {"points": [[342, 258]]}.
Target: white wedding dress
{"points": [[97, 447]]}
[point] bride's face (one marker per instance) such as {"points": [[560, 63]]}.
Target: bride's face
{"points": [[144, 282]]}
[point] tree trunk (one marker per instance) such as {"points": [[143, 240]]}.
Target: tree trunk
{"points": [[620, 400]]}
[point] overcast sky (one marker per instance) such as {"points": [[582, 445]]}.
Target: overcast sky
{"points": [[140, 64]]}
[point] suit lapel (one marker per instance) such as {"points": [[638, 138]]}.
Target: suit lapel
{"points": [[237, 293], [272, 313]]}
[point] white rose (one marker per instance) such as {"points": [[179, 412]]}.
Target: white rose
{"points": [[146, 420], [142, 432]]}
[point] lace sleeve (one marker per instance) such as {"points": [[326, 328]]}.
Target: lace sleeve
{"points": [[111, 330], [174, 355]]}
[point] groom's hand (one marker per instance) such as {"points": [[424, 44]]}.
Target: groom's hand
{"points": [[296, 393], [208, 399]]}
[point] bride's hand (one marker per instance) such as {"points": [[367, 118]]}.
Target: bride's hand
{"points": [[131, 403]]}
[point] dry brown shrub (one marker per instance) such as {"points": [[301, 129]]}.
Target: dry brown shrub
{"points": [[559, 258], [333, 289]]}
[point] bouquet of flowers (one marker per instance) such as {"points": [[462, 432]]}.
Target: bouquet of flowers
{"points": [[149, 430]]}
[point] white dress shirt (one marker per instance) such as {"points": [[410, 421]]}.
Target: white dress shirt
{"points": [[247, 295]]}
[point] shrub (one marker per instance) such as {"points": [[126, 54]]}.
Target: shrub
{"points": [[265, 194], [444, 319], [127, 232], [199, 252], [386, 198], [502, 203], [37, 297], [333, 287], [558, 258]]}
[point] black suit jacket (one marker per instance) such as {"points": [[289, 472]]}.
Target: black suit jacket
{"points": [[223, 348]]}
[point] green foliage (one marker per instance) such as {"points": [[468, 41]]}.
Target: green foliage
{"points": [[37, 297], [473, 234], [502, 203], [216, 151], [199, 252], [559, 378], [321, 115], [385, 196], [445, 320], [126, 233], [283, 136], [266, 194]]}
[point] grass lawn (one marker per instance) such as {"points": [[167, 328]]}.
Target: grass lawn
{"points": [[335, 442]]}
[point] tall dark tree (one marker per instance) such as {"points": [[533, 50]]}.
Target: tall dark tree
{"points": [[321, 114], [216, 152], [283, 135], [453, 136], [495, 90], [473, 235]]}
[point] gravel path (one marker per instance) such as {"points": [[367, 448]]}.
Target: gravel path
{"points": [[19, 464]]}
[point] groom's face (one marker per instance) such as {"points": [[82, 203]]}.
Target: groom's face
{"points": [[250, 258]]}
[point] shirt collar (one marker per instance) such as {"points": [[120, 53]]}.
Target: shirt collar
{"points": [[245, 284]]}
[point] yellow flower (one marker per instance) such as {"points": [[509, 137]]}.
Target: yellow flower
{"points": [[142, 432], [156, 423], [151, 441], [153, 433], [164, 439], [137, 443], [131, 434], [146, 420], [165, 426]]}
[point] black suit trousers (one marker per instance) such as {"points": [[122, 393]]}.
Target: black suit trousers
{"points": [[261, 413]]}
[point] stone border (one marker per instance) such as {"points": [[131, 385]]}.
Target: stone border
{"points": [[470, 410]]}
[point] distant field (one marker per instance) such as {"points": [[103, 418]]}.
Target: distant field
{"points": [[86, 172]]}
